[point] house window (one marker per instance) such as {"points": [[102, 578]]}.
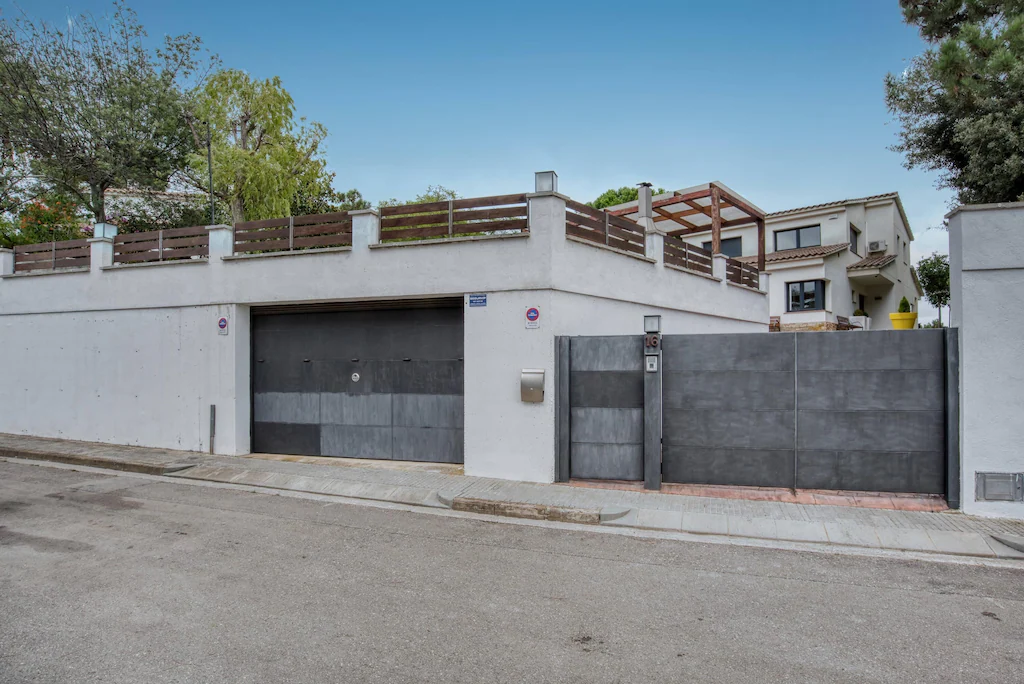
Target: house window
{"points": [[794, 238], [732, 247], [854, 240], [806, 296]]}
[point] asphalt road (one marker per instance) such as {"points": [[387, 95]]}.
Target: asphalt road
{"points": [[120, 579]]}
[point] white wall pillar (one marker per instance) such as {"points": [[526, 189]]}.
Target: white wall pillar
{"points": [[222, 241], [654, 239], [763, 279], [6, 261], [101, 252], [365, 229], [718, 262]]}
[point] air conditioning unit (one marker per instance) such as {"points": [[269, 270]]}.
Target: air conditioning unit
{"points": [[876, 246]]}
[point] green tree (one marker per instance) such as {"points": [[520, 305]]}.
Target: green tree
{"points": [[317, 196], [92, 106], [960, 104], [43, 220], [433, 193], [933, 272], [263, 156], [611, 197]]}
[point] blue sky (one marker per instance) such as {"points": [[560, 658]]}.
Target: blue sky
{"points": [[782, 101]]}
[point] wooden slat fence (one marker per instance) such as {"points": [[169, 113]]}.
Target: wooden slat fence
{"points": [[294, 233], [498, 214], [603, 228], [680, 253], [742, 274], [171, 244], [51, 255]]}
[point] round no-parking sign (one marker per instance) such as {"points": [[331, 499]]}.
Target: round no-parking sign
{"points": [[533, 317]]}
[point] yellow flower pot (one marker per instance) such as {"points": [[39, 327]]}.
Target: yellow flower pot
{"points": [[903, 321]]}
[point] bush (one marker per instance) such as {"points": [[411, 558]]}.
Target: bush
{"points": [[860, 312], [904, 306]]}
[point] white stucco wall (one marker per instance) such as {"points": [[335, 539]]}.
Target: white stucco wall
{"points": [[156, 324], [986, 287], [145, 377]]}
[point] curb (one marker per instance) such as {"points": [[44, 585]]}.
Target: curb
{"points": [[97, 462], [513, 509]]}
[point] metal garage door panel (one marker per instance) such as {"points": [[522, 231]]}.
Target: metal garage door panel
{"points": [[384, 384]]}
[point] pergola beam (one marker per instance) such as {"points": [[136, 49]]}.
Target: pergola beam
{"points": [[716, 220]]}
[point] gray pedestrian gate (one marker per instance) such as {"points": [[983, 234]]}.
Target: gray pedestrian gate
{"points": [[864, 411]]}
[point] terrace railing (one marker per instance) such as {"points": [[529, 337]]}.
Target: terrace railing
{"points": [[680, 253], [600, 227], [293, 233], [50, 256], [172, 244], [495, 215], [742, 274]]}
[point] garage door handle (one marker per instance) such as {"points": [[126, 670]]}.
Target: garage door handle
{"points": [[407, 359], [305, 360], [259, 360]]}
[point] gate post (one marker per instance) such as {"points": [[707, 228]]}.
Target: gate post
{"points": [[953, 478], [562, 408], [652, 402]]}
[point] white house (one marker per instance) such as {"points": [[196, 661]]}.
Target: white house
{"points": [[824, 260]]}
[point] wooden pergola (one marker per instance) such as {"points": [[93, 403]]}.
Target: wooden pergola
{"points": [[710, 207]]}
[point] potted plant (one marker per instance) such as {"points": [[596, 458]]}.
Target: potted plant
{"points": [[860, 317], [905, 319]]}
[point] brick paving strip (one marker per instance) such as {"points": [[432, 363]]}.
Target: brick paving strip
{"points": [[429, 485]]}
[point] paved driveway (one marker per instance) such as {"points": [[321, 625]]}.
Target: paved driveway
{"points": [[112, 578]]}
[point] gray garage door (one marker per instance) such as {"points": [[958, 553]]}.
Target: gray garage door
{"points": [[382, 384]]}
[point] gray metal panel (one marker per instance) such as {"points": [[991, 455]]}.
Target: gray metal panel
{"points": [[286, 438], [607, 426], [607, 389], [872, 430], [607, 461], [428, 410], [753, 390], [872, 350], [337, 408], [355, 441], [438, 445], [623, 353], [889, 390], [736, 429], [286, 407], [872, 471], [728, 466], [742, 351]]}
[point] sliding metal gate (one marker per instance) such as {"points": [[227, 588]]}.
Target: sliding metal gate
{"points": [[381, 384], [866, 411]]}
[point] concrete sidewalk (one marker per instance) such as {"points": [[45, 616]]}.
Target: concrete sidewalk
{"points": [[943, 533]]}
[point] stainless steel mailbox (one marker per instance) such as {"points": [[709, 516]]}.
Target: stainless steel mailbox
{"points": [[531, 385]]}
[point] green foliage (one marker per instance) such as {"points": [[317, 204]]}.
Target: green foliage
{"points": [[45, 220], [961, 103], [263, 157], [160, 211], [937, 323], [434, 193], [904, 306], [318, 196], [94, 107], [611, 197], [933, 272], [860, 312]]}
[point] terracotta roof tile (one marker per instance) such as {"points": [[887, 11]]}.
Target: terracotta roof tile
{"points": [[838, 203], [877, 261], [801, 253]]}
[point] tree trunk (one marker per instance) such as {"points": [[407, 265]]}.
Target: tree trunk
{"points": [[237, 210], [96, 203]]}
